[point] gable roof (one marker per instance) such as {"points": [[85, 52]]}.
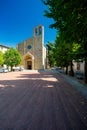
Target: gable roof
{"points": [[4, 46]]}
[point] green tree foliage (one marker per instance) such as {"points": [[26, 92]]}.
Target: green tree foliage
{"points": [[65, 53], [77, 52], [50, 56], [12, 57], [61, 53], [70, 18], [1, 58]]}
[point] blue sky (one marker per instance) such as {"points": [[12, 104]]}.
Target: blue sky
{"points": [[19, 17]]}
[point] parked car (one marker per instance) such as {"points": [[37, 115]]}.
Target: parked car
{"points": [[21, 68], [18, 68], [3, 70], [79, 75]]}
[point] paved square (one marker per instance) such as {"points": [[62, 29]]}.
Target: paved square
{"points": [[40, 101]]}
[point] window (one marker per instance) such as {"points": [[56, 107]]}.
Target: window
{"points": [[40, 30], [36, 31], [78, 66]]}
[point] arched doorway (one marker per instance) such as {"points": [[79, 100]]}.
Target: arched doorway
{"points": [[28, 61], [29, 65]]}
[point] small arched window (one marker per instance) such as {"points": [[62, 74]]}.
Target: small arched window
{"points": [[40, 30], [36, 31]]}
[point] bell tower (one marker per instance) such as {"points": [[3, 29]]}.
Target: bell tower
{"points": [[38, 35], [39, 32]]}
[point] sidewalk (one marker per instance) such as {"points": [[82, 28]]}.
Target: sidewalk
{"points": [[82, 88]]}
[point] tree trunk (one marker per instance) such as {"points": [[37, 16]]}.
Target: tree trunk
{"points": [[11, 68], [66, 70], [71, 72], [85, 71]]}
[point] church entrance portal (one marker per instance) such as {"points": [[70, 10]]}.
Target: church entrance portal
{"points": [[29, 65], [28, 61]]}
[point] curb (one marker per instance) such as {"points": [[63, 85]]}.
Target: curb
{"points": [[82, 88]]}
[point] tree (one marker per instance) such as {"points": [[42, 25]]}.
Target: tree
{"points": [[12, 57], [70, 19], [51, 59], [63, 54], [1, 58]]}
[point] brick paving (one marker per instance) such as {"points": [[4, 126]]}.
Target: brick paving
{"points": [[40, 101]]}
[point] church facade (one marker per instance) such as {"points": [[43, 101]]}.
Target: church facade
{"points": [[33, 51]]}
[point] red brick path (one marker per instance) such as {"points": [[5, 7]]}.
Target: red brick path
{"points": [[40, 101]]}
